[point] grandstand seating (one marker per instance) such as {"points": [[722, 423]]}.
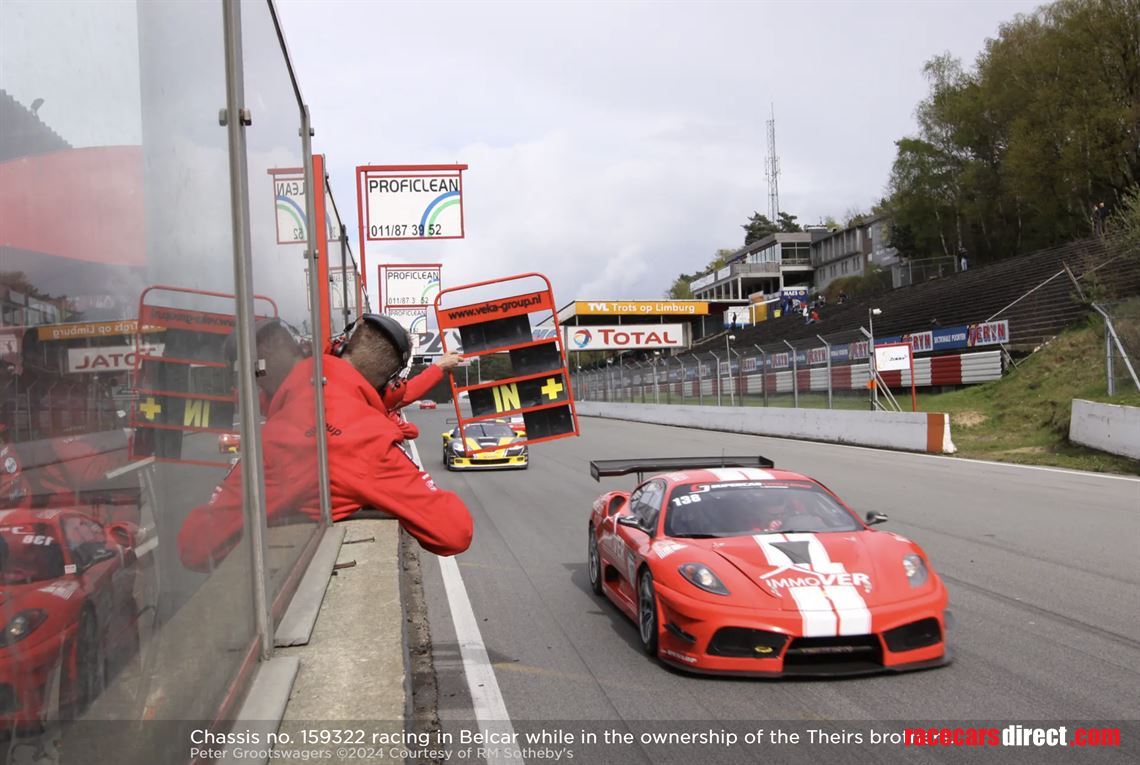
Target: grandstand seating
{"points": [[994, 292]]}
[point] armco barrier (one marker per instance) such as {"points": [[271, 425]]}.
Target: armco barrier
{"points": [[908, 431], [1109, 427]]}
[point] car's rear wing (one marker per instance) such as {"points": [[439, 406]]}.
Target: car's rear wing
{"points": [[606, 468]]}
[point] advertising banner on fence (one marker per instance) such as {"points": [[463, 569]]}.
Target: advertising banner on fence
{"points": [[895, 357], [408, 285], [643, 307], [289, 200], [625, 337], [412, 319], [411, 201]]}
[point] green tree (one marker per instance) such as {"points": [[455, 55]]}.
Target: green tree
{"points": [[1011, 155], [758, 227], [788, 223]]}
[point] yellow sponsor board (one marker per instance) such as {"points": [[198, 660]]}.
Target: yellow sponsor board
{"points": [[641, 307], [91, 329]]}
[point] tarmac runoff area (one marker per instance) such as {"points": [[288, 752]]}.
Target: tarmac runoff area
{"points": [[1040, 564]]}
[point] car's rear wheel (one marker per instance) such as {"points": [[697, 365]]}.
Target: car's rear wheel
{"points": [[595, 563], [647, 613]]}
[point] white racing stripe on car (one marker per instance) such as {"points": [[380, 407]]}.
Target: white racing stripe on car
{"points": [[740, 474], [825, 611]]}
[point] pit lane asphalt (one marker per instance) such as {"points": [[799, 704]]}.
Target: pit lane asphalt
{"points": [[1041, 565]]}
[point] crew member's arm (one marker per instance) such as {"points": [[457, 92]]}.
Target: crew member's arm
{"points": [[417, 387], [212, 530], [392, 482]]}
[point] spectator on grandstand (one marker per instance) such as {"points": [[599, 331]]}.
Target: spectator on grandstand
{"points": [[814, 316]]}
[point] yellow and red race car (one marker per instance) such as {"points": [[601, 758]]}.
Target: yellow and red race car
{"points": [[229, 443], [426, 403], [460, 453]]}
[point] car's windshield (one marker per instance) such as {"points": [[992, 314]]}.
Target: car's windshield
{"points": [[29, 552], [485, 430], [753, 507]]}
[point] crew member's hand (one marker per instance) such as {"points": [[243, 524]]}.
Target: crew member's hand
{"points": [[448, 361]]}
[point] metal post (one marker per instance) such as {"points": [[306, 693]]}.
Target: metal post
{"points": [[827, 347], [656, 390], [681, 363], [795, 376], [874, 373], [731, 382], [253, 473], [739, 376], [717, 377], [700, 381], [344, 272], [318, 372], [763, 372], [1111, 386]]}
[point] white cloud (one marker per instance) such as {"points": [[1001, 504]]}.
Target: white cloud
{"points": [[614, 145]]}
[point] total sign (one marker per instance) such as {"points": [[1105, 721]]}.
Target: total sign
{"points": [[625, 337], [113, 358]]}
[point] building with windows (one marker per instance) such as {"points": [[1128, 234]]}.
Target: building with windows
{"points": [[850, 251], [768, 265]]}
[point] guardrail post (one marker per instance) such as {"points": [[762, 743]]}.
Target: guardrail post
{"points": [[763, 372], [717, 377], [827, 348]]}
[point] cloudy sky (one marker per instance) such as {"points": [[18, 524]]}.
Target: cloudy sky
{"points": [[613, 145]]}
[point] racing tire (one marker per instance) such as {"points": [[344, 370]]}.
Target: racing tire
{"points": [[647, 613], [87, 681], [446, 461], [595, 562]]}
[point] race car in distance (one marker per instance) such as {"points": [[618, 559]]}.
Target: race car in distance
{"points": [[518, 424], [460, 453], [229, 443], [427, 404], [729, 566], [67, 608]]}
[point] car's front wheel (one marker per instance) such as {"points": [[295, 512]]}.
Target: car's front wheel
{"points": [[647, 613], [595, 563]]}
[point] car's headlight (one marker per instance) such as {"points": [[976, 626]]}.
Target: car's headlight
{"points": [[915, 568], [21, 625], [515, 451], [457, 447], [702, 576]]}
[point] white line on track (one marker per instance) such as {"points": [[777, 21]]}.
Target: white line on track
{"points": [[486, 698]]}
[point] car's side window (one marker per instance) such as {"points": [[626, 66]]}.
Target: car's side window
{"points": [[651, 503], [86, 540], [645, 503]]}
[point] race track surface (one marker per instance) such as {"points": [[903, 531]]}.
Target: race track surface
{"points": [[1042, 568]]}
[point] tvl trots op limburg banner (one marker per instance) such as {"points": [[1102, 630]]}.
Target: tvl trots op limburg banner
{"points": [[538, 382]]}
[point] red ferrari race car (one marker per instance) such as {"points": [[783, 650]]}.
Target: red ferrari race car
{"points": [[729, 566], [68, 611], [427, 404]]}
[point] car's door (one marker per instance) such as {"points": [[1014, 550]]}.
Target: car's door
{"points": [[96, 564], [633, 543]]}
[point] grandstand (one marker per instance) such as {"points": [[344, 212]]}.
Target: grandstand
{"points": [[1033, 292]]}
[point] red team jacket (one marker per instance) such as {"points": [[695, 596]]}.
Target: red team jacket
{"points": [[367, 468]]}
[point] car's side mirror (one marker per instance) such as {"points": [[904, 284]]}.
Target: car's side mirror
{"points": [[873, 518], [121, 534], [631, 521]]}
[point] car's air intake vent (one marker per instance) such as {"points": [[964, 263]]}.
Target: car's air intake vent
{"points": [[920, 634], [741, 642], [830, 654]]}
